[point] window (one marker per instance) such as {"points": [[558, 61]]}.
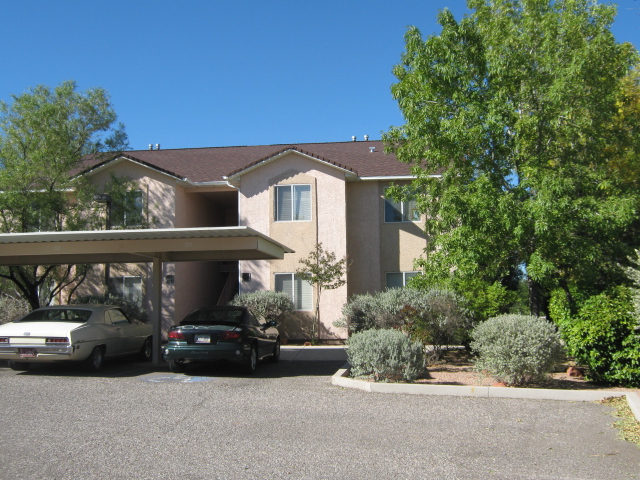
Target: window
{"points": [[293, 203], [403, 211], [299, 290], [117, 317], [399, 279], [127, 288], [129, 213]]}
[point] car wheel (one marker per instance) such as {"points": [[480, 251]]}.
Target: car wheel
{"points": [[93, 363], [19, 366], [147, 350], [275, 358], [176, 366], [252, 362]]}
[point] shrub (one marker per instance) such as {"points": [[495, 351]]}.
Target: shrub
{"points": [[516, 349], [12, 308], [434, 317], [359, 313], [267, 304], [602, 336], [131, 310], [385, 355], [437, 318]]}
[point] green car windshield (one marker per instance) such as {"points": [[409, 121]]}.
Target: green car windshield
{"points": [[75, 315], [227, 316]]}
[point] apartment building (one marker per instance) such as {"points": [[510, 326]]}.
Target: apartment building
{"points": [[299, 195]]}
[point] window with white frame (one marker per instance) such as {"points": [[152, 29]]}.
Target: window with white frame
{"points": [[127, 288], [293, 203], [300, 291], [402, 211], [399, 279]]}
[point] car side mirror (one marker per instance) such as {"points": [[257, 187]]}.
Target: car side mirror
{"points": [[270, 323]]}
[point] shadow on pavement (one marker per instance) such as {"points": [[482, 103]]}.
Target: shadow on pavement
{"points": [[128, 369]]}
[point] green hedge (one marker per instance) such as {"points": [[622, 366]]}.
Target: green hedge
{"points": [[602, 335]]}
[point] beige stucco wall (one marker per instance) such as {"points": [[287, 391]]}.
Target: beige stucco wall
{"points": [[327, 226], [375, 247], [159, 193]]}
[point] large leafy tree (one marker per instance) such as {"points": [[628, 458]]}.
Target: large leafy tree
{"points": [[520, 107], [45, 134]]}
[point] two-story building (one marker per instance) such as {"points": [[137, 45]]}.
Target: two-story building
{"points": [[299, 195]]}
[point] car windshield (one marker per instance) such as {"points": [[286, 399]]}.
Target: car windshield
{"points": [[58, 315], [227, 316]]}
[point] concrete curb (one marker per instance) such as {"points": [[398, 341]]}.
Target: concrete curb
{"points": [[341, 379]]}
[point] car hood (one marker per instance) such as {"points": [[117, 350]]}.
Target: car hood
{"points": [[37, 329]]}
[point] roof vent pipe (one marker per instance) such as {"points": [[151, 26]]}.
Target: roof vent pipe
{"points": [[372, 149], [157, 146], [366, 138], [151, 146], [353, 138]]}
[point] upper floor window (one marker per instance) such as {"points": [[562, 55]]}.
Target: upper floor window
{"points": [[403, 211], [399, 279], [293, 203], [129, 213], [300, 291]]}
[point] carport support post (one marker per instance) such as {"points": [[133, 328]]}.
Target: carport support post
{"points": [[156, 300]]}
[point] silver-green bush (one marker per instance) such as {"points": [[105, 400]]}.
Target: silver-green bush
{"points": [[516, 349], [385, 355], [267, 304], [435, 317]]}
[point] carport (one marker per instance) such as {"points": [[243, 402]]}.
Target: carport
{"points": [[154, 246]]}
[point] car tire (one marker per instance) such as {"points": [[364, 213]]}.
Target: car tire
{"points": [[19, 366], [252, 361], [177, 366], [275, 357], [146, 352], [94, 362]]}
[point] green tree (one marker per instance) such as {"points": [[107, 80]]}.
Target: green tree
{"points": [[322, 269], [518, 107], [45, 134]]}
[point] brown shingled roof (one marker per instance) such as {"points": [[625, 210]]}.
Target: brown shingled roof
{"points": [[213, 164]]}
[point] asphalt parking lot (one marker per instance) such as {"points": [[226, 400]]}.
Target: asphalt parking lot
{"points": [[137, 421]]}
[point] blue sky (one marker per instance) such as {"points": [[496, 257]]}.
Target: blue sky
{"points": [[202, 73]]}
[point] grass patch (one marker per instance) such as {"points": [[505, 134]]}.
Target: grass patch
{"points": [[627, 424]]}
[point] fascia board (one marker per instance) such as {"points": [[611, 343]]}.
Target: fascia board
{"points": [[392, 178], [116, 161]]}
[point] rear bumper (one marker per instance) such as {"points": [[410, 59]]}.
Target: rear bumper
{"points": [[231, 352], [44, 353]]}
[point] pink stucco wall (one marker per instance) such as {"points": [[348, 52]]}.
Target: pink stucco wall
{"points": [[328, 225]]}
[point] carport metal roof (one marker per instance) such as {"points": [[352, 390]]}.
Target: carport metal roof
{"points": [[139, 246], [133, 246]]}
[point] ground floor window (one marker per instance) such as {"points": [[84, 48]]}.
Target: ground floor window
{"points": [[300, 291], [399, 279], [127, 288]]}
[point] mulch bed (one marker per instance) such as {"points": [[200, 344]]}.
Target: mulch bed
{"points": [[455, 367]]}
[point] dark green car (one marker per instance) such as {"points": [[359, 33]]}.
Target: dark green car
{"points": [[228, 333]]}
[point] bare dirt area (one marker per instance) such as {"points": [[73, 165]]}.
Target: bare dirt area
{"points": [[456, 368]]}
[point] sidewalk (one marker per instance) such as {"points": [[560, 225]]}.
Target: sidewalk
{"points": [[301, 353]]}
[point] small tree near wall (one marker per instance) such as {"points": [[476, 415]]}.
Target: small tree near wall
{"points": [[322, 269]]}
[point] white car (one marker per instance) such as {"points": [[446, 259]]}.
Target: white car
{"points": [[82, 333]]}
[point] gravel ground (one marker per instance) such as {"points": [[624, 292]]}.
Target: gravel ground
{"points": [[288, 422]]}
